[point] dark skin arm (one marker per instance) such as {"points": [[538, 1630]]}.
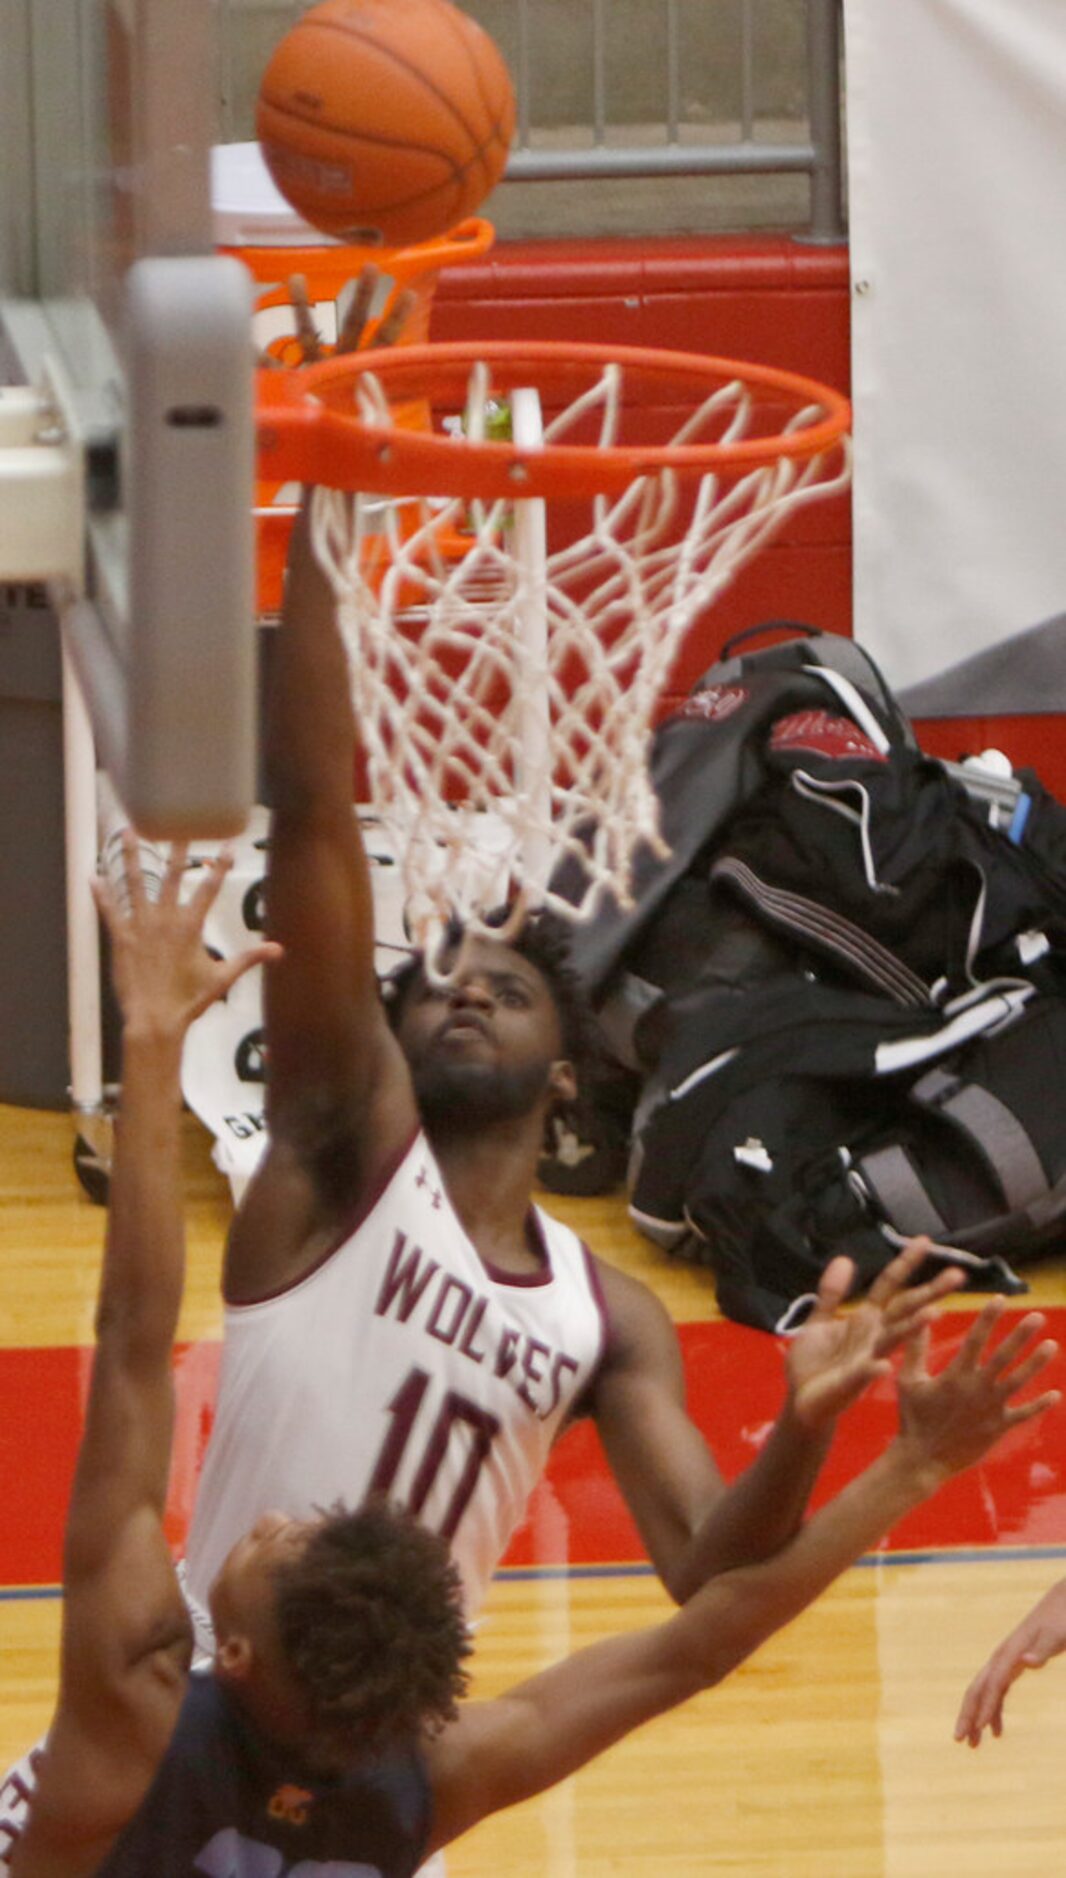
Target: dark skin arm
{"points": [[692, 1524], [340, 1105], [126, 1637]]}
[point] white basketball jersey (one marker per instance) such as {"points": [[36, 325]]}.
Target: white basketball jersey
{"points": [[401, 1364]]}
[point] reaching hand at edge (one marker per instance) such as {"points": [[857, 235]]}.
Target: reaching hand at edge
{"points": [[163, 975], [839, 1353], [1042, 1633], [1040, 1636]]}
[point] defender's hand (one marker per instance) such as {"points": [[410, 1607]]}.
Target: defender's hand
{"points": [[952, 1419], [163, 976], [837, 1354], [1040, 1636]]}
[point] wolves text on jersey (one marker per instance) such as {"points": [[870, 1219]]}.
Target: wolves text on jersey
{"points": [[416, 1290]]}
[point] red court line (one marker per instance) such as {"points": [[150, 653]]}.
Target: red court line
{"points": [[1017, 1498]]}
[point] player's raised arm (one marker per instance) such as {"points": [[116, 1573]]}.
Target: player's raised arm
{"points": [[339, 1101], [126, 1634], [502, 1752], [330, 1048], [335, 1071]]}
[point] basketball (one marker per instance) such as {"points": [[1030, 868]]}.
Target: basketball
{"points": [[385, 122]]}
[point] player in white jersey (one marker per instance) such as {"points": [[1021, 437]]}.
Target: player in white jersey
{"points": [[398, 1313], [483, 1368]]}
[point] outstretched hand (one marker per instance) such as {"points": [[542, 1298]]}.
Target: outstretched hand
{"points": [[953, 1418], [163, 975], [1040, 1636], [838, 1354]]}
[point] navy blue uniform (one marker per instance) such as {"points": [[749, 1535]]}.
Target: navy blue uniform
{"points": [[228, 1803]]}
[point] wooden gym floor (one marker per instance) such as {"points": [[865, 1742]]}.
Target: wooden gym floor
{"points": [[831, 1753]]}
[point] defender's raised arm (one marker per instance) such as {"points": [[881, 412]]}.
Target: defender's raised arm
{"points": [[501, 1752], [126, 1633]]}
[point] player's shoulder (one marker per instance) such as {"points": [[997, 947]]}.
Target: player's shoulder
{"points": [[290, 1224], [638, 1320]]}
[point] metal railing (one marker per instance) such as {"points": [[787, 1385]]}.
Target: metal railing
{"points": [[820, 155], [599, 148]]}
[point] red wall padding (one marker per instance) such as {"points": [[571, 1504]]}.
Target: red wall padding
{"points": [[1037, 743], [773, 300]]}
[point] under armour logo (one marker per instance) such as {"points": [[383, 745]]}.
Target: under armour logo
{"points": [[436, 1195]]}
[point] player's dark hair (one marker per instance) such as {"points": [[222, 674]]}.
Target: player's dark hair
{"points": [[371, 1623], [544, 940]]}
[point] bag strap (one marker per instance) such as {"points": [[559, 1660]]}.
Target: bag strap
{"points": [[795, 627], [992, 1128], [826, 930], [900, 1192]]}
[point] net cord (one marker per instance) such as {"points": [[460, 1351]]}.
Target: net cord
{"points": [[506, 694]]}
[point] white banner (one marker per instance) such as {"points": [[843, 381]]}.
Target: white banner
{"points": [[957, 170]]}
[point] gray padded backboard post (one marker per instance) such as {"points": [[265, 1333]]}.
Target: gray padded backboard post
{"points": [[116, 306], [134, 337], [173, 631]]}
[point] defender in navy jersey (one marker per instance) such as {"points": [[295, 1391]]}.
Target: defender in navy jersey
{"points": [[228, 1800], [327, 1738]]}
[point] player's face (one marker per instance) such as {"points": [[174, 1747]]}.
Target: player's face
{"points": [[242, 1596], [485, 1047]]}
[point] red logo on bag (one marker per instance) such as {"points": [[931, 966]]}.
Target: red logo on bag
{"points": [[715, 704], [823, 734]]}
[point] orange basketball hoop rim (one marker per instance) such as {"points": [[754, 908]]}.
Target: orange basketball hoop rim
{"points": [[330, 423]]}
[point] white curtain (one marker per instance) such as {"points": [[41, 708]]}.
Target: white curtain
{"points": [[957, 175]]}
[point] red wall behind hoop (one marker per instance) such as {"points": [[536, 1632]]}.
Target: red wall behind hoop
{"points": [[773, 300]]}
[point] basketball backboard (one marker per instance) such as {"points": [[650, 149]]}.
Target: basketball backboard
{"points": [[131, 339]]}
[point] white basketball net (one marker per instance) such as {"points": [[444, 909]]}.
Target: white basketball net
{"points": [[506, 695]]}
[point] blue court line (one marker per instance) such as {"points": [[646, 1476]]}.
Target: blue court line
{"points": [[531, 1574], [966, 1555], [946, 1555]]}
